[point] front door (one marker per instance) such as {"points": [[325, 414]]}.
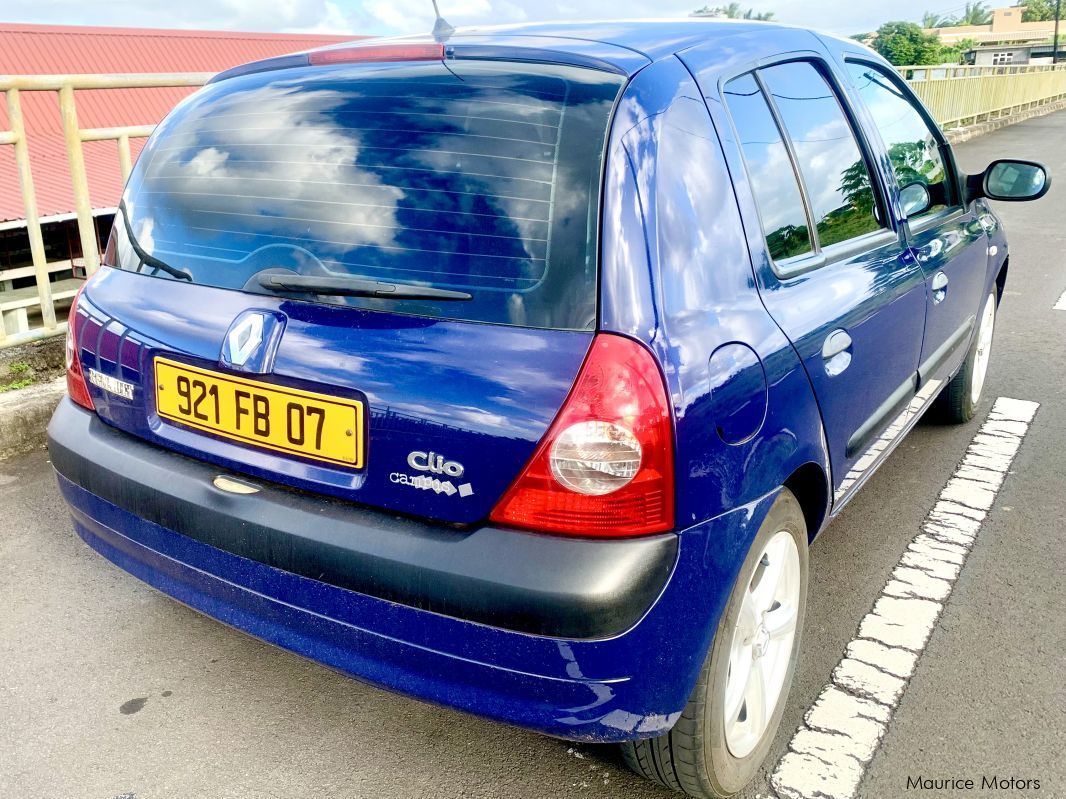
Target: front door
{"points": [[946, 239]]}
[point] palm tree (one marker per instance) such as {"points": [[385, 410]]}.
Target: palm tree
{"points": [[931, 20], [732, 11], [976, 13]]}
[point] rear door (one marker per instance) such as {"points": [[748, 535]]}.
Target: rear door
{"points": [[835, 276], [947, 239]]}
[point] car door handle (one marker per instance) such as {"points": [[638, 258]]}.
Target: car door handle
{"points": [[939, 287], [836, 352]]}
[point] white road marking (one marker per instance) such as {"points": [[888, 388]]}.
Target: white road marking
{"points": [[1061, 304], [843, 729]]}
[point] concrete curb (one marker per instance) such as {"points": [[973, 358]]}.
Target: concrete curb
{"points": [[958, 135], [24, 415]]}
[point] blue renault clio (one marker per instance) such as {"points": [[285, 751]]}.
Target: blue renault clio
{"points": [[515, 372]]}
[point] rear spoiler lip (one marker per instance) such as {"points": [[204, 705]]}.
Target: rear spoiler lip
{"points": [[459, 51]]}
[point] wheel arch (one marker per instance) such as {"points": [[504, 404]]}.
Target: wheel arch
{"points": [[1001, 280], [810, 485]]}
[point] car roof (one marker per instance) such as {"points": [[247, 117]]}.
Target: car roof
{"points": [[627, 45], [624, 46], [653, 38]]}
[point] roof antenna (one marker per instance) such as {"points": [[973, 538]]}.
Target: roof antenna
{"points": [[441, 29]]}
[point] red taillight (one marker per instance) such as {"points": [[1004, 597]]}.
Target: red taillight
{"points": [[377, 52], [605, 467], [76, 387]]}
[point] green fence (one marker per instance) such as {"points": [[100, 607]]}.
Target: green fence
{"points": [[959, 96]]}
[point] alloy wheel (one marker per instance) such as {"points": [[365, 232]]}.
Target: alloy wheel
{"points": [[762, 643]]}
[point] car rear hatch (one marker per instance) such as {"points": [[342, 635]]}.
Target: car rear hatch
{"points": [[372, 280]]}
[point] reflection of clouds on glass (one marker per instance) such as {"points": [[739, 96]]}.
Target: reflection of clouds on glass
{"points": [[912, 148], [145, 238], [770, 170], [826, 150], [248, 159], [779, 208], [474, 176], [207, 163]]}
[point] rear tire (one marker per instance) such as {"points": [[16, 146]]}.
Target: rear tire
{"points": [[958, 401], [714, 751]]}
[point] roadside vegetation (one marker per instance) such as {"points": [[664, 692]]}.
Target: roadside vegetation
{"points": [[30, 364], [18, 368], [732, 11], [906, 43]]}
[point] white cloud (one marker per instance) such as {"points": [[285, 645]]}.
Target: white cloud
{"points": [[417, 15], [386, 17]]}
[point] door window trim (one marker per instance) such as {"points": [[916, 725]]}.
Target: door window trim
{"points": [[787, 268]]}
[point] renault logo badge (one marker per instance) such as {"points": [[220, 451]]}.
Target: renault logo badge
{"points": [[252, 340], [244, 338]]}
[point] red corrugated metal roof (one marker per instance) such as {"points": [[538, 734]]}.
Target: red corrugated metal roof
{"points": [[60, 49]]}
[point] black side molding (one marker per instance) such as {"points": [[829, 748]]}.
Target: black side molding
{"points": [[898, 399], [527, 582], [931, 365], [880, 418]]}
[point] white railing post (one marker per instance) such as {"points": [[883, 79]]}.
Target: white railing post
{"points": [[79, 180], [29, 204], [74, 136], [125, 163]]}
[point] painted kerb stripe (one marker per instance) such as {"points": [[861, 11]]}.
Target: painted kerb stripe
{"points": [[830, 752]]}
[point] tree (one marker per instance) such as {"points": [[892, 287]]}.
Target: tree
{"points": [[933, 20], [732, 11], [954, 52], [904, 44], [855, 186], [1038, 10], [975, 14]]}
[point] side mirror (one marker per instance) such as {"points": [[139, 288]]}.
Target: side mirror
{"points": [[914, 197], [1010, 180]]}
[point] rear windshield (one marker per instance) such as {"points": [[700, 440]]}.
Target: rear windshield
{"points": [[480, 177]]}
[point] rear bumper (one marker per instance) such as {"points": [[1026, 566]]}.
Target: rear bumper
{"points": [[547, 585], [626, 643]]}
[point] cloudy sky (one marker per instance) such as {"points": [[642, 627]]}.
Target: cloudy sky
{"points": [[415, 16]]}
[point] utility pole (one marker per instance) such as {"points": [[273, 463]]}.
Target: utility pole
{"points": [[1055, 44]]}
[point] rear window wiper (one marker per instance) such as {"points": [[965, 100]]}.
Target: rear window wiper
{"points": [[145, 258], [355, 287]]}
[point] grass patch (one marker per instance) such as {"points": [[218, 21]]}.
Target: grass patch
{"points": [[16, 385]]}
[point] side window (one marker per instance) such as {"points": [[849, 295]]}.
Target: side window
{"points": [[835, 173], [912, 147], [770, 171]]}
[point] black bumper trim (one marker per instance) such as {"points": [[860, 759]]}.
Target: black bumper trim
{"points": [[541, 584]]}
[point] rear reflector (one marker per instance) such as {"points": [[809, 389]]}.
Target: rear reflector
{"points": [[377, 52], [605, 468], [76, 388]]}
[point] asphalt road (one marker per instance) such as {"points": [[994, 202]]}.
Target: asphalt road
{"points": [[109, 689]]}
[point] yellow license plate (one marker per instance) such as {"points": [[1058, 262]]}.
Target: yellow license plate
{"points": [[275, 417]]}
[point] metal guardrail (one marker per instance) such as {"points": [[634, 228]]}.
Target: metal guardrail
{"points": [[952, 94], [65, 86], [957, 95]]}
